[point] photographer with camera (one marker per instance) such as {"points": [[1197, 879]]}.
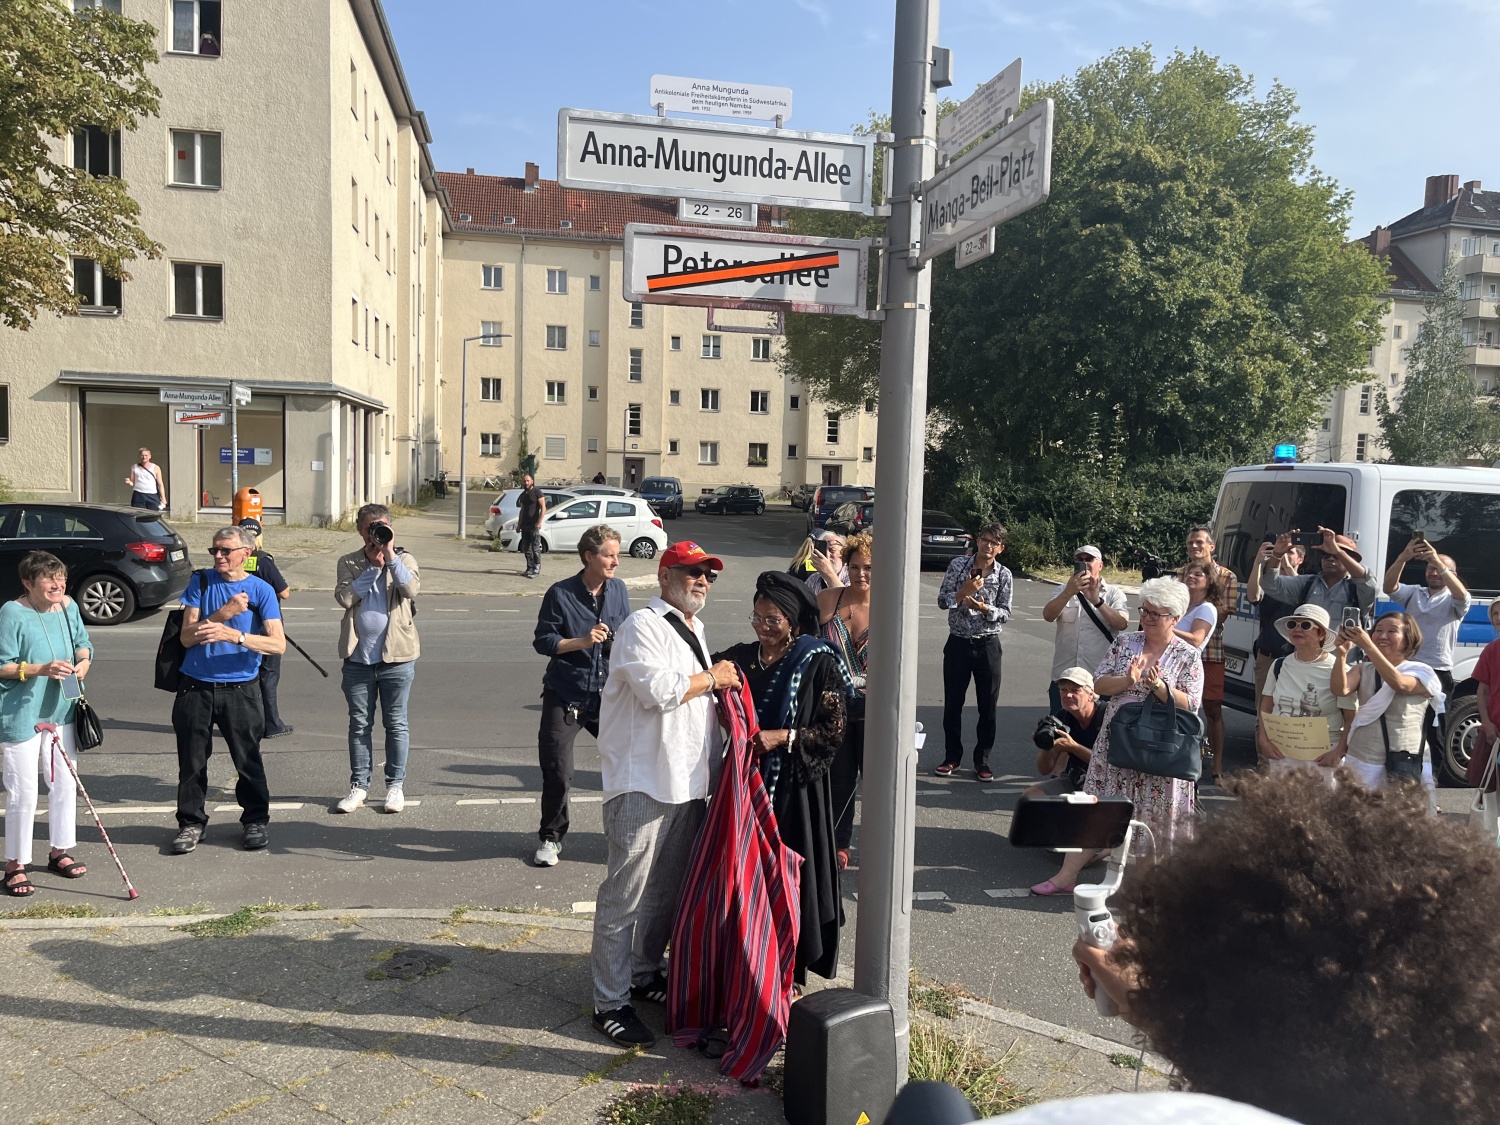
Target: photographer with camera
{"points": [[1066, 741], [1089, 612], [377, 586], [1341, 581], [575, 628]]}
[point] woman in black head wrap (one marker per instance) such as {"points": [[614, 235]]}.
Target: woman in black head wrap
{"points": [[800, 690]]}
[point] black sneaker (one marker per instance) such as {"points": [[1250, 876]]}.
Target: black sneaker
{"points": [[186, 839], [282, 733], [624, 1027], [255, 837], [653, 991]]}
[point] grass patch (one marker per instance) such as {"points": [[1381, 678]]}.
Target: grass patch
{"points": [[1114, 575], [940, 1000], [938, 1057], [240, 1107], [53, 909], [176, 911], [659, 1105], [624, 1058], [243, 921], [1127, 1061], [270, 906]]}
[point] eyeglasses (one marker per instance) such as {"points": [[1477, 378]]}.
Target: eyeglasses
{"points": [[226, 550], [1298, 624], [696, 572], [769, 622], [1155, 614], [991, 543]]}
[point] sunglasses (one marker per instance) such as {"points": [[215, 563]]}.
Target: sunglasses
{"points": [[225, 550], [696, 572], [1298, 624]]}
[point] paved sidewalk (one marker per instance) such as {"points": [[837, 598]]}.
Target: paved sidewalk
{"points": [[372, 1016]]}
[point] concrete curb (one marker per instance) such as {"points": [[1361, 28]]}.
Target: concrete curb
{"points": [[171, 921], [1022, 1022]]}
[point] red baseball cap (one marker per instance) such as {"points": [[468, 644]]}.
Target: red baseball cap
{"points": [[688, 553]]}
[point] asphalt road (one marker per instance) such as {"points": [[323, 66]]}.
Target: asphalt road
{"points": [[469, 827]]}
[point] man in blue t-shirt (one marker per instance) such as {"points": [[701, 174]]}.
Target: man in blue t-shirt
{"points": [[222, 609]]}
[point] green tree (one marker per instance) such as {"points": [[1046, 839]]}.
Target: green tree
{"points": [[1439, 419], [66, 70]]}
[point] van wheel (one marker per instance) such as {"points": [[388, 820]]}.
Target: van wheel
{"points": [[1462, 731], [643, 548], [104, 599]]}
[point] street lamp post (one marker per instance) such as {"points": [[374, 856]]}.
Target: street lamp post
{"points": [[463, 433]]}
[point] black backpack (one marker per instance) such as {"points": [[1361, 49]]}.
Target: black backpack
{"points": [[170, 650]]}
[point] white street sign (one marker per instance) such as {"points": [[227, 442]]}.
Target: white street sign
{"points": [[983, 110], [201, 417], [1008, 174], [745, 270], [193, 396], [718, 214], [707, 160], [241, 395], [721, 99], [974, 248]]}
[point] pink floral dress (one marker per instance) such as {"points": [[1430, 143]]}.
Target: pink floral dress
{"points": [[1164, 803]]}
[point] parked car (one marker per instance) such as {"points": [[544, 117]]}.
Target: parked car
{"points": [[943, 538], [640, 528], [599, 490], [851, 517], [729, 498], [119, 559], [829, 496], [802, 495], [504, 507], [664, 494]]}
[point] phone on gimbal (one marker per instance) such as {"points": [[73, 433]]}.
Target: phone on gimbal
{"points": [[1067, 822]]}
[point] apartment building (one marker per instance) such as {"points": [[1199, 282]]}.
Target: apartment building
{"points": [[591, 383], [1459, 224], [288, 180]]}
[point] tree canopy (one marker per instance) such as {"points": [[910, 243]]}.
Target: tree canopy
{"points": [[65, 70]]}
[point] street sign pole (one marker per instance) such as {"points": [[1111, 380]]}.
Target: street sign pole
{"points": [[234, 445], [882, 951]]}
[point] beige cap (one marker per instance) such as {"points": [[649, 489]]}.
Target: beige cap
{"points": [[1080, 676]]}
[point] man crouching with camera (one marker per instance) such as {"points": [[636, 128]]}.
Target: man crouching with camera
{"points": [[1066, 743], [575, 628]]}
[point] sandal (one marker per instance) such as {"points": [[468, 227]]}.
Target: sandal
{"points": [[66, 866], [714, 1043], [1050, 888], [17, 885]]}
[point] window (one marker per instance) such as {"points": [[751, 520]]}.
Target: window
{"points": [[619, 510], [354, 203], [354, 89], [97, 291], [593, 337], [1362, 447], [555, 448], [637, 365], [593, 444], [580, 509], [198, 290], [4, 413], [760, 347], [833, 429], [593, 394], [107, 5], [637, 315], [557, 337], [493, 277], [377, 236], [795, 403], [791, 453], [388, 262], [869, 406], [1395, 379], [869, 453], [1465, 525], [96, 152], [708, 453], [557, 392], [594, 283], [672, 447], [712, 345], [633, 420], [1396, 332], [1470, 246], [354, 328], [493, 328], [557, 281], [53, 525], [489, 390], [367, 220], [759, 453], [1364, 399], [1326, 424], [674, 398], [676, 343], [195, 27], [489, 445], [390, 163], [1250, 510], [708, 399], [377, 335], [760, 402]]}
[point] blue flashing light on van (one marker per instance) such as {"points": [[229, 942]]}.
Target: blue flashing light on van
{"points": [[1285, 455]]}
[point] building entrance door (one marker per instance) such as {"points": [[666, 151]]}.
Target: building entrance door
{"points": [[635, 469], [833, 474]]}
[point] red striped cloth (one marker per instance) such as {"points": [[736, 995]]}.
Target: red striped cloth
{"points": [[735, 938]]}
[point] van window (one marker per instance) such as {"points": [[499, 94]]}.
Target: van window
{"points": [[1252, 509], [1465, 525]]}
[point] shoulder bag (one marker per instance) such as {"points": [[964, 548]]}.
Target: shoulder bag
{"points": [[169, 650], [1157, 738], [88, 733]]}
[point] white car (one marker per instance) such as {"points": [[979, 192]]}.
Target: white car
{"points": [[503, 508], [640, 528]]}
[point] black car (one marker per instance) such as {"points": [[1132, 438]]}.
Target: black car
{"points": [[664, 494], [733, 498], [943, 538], [852, 517], [118, 559], [802, 495], [829, 497]]}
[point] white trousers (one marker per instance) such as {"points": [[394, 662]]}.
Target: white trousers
{"points": [[24, 763]]}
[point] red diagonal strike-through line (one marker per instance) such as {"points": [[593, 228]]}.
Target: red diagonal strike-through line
{"points": [[661, 281]]}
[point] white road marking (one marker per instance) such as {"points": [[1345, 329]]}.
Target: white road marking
{"points": [[480, 801], [584, 800], [520, 800], [934, 792], [921, 896], [1010, 892], [291, 805]]}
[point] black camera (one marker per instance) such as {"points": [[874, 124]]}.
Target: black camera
{"points": [[1152, 565], [1048, 730], [381, 533]]}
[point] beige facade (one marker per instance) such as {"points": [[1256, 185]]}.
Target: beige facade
{"points": [[247, 179]]}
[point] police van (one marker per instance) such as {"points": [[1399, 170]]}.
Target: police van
{"points": [[1379, 507]]}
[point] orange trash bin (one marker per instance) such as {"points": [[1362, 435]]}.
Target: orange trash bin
{"points": [[246, 503]]}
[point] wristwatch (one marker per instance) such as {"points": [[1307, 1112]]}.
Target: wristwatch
{"points": [[242, 640]]}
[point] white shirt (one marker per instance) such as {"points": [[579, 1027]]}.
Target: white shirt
{"points": [[1438, 616], [1080, 644], [142, 480], [649, 740]]}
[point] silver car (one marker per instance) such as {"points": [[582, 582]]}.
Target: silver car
{"points": [[505, 507]]}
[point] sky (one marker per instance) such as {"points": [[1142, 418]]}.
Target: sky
{"points": [[1397, 90]]}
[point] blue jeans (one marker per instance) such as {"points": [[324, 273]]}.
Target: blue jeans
{"points": [[391, 683]]}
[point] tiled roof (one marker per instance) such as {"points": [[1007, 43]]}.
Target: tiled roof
{"points": [[598, 216], [1467, 208], [1403, 273]]}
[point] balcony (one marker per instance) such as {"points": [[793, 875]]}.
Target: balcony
{"points": [[1479, 263], [1482, 355], [1481, 308]]}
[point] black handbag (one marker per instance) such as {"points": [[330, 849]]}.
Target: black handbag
{"points": [[88, 733], [1157, 738]]}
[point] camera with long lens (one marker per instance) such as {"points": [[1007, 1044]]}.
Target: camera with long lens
{"points": [[381, 533], [1048, 730], [1152, 565]]}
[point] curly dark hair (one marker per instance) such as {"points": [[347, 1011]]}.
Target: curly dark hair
{"points": [[1328, 954]]}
